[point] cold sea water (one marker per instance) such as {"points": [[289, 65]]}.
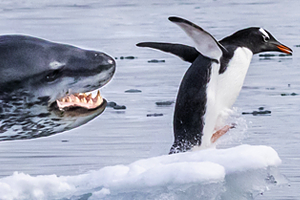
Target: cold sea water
{"points": [[120, 137]]}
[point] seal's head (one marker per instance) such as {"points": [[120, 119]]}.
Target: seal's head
{"points": [[46, 87]]}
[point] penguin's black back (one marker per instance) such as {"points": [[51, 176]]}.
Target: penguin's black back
{"points": [[191, 105]]}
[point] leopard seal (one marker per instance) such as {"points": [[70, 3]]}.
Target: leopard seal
{"points": [[44, 86]]}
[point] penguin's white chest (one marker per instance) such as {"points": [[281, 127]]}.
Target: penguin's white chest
{"points": [[222, 91], [231, 81]]}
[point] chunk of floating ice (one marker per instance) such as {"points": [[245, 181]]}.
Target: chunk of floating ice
{"points": [[234, 173]]}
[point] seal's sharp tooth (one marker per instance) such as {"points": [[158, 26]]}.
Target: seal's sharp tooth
{"points": [[83, 100], [63, 100], [68, 99], [76, 95], [95, 99], [99, 100], [91, 102], [80, 97], [58, 103], [60, 106], [89, 97], [77, 100]]}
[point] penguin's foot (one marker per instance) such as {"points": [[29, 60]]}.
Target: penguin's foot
{"points": [[221, 132]]}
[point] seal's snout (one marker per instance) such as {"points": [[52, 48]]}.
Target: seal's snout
{"points": [[100, 58], [109, 60], [107, 64]]}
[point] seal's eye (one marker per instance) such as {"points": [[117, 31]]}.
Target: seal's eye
{"points": [[265, 38], [52, 76]]}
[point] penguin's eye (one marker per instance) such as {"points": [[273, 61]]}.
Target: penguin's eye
{"points": [[265, 38]]}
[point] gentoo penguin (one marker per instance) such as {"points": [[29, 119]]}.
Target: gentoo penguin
{"points": [[213, 81]]}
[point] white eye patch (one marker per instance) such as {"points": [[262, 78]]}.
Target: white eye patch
{"points": [[56, 65], [264, 33]]}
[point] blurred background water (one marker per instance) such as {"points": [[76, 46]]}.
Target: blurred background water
{"points": [[123, 136]]}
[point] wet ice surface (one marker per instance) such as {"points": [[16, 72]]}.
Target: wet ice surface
{"points": [[125, 136], [206, 174]]}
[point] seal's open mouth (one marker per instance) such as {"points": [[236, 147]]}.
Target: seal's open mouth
{"points": [[80, 100]]}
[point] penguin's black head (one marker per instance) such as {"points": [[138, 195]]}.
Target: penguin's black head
{"points": [[257, 40]]}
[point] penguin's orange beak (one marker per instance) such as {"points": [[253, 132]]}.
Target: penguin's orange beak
{"points": [[284, 49]]}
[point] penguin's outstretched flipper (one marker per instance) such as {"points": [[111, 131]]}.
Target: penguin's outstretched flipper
{"points": [[185, 52], [206, 44]]}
